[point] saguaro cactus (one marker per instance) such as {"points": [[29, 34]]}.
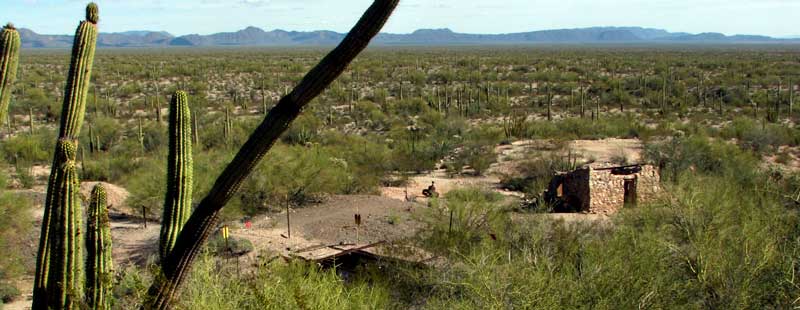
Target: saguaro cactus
{"points": [[9, 59], [141, 135], [228, 127], [49, 256], [178, 200], [98, 246]]}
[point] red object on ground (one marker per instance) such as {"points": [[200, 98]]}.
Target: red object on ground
{"points": [[248, 224]]}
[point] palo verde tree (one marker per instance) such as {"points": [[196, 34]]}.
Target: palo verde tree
{"points": [[58, 283], [176, 265], [9, 60]]}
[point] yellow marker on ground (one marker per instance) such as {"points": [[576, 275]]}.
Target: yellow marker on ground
{"points": [[225, 233]]}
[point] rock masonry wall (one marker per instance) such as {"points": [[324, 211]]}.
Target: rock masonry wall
{"points": [[607, 190]]}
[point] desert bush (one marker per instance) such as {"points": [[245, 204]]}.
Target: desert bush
{"points": [[698, 153], [130, 287], [26, 179], [107, 132], [147, 186], [8, 292], [475, 213], [576, 128], [304, 130], [234, 246], [16, 229], [298, 173], [113, 168], [760, 137], [367, 159], [477, 150], [278, 285], [535, 174], [29, 148]]}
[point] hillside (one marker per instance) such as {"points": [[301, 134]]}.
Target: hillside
{"points": [[253, 36]]}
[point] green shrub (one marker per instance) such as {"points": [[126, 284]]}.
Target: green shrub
{"points": [[110, 168], [533, 175], [16, 229], [147, 186], [29, 148], [304, 130], [475, 213], [24, 175], [700, 154], [8, 292], [130, 288], [277, 285], [234, 246], [298, 172]]}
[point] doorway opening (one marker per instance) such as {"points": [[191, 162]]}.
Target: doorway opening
{"points": [[630, 192]]}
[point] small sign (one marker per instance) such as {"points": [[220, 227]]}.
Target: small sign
{"points": [[225, 233]]}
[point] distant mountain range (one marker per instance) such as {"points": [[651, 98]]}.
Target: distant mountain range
{"points": [[252, 36]]}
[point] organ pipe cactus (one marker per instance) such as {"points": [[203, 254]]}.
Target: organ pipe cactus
{"points": [[9, 59], [178, 201], [98, 246], [49, 264]]}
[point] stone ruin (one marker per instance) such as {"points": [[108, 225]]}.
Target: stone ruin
{"points": [[602, 189]]}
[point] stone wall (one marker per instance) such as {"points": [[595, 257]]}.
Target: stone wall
{"points": [[602, 190], [648, 186], [607, 193], [607, 188]]}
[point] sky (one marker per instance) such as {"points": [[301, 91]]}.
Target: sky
{"points": [[777, 18]]}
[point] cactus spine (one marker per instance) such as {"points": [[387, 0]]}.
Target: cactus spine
{"points": [[98, 246], [58, 258], [9, 60], [178, 200]]}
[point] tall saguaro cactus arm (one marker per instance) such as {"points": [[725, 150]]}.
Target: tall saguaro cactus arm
{"points": [[201, 223], [71, 118], [9, 59], [80, 74], [178, 200]]}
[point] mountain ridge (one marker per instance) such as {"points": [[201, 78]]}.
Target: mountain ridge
{"points": [[254, 36]]}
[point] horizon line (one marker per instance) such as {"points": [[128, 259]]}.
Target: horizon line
{"points": [[412, 32]]}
